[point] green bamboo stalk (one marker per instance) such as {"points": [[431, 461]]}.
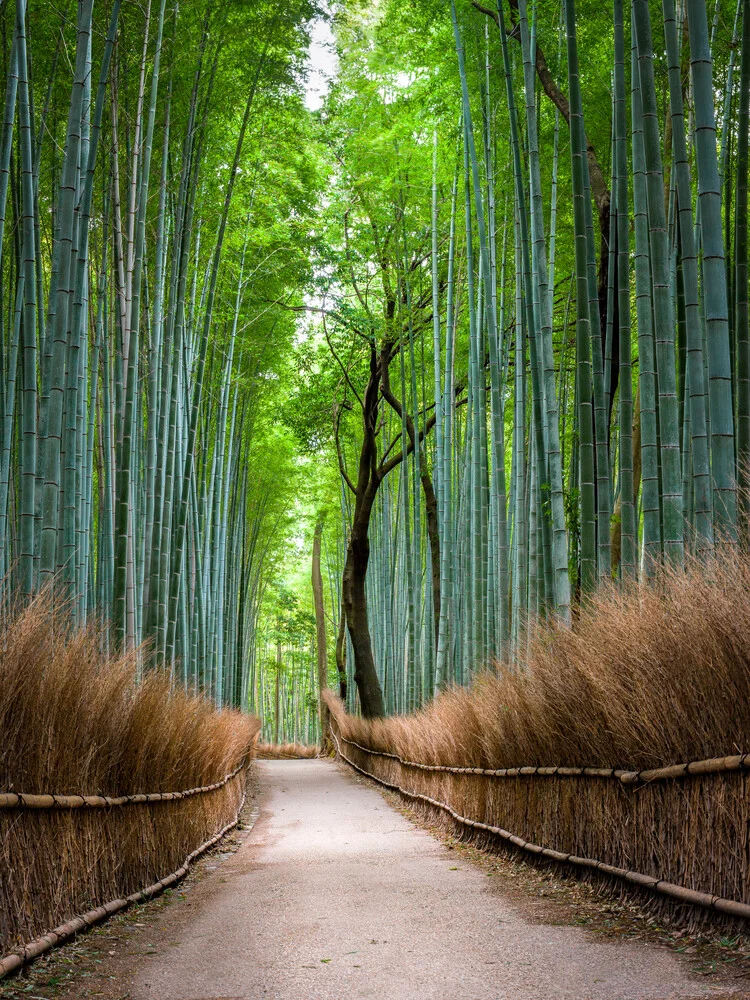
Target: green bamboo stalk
{"points": [[11, 378], [77, 333], [6, 142], [701, 473], [650, 503], [518, 501], [714, 275], [29, 325], [124, 603], [159, 377], [669, 434], [539, 409], [628, 525], [437, 375], [742, 306], [553, 457], [63, 292], [578, 155], [447, 538]]}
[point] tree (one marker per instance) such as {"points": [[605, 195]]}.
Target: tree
{"points": [[320, 629]]}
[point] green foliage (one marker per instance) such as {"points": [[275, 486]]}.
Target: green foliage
{"points": [[391, 243]]}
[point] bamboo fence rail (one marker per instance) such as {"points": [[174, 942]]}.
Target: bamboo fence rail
{"points": [[24, 800], [96, 849], [699, 835], [54, 938], [711, 765]]}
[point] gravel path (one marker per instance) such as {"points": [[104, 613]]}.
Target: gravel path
{"points": [[335, 895]]}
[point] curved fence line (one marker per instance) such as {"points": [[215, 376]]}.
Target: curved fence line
{"points": [[729, 907], [58, 936], [712, 765], [24, 800]]}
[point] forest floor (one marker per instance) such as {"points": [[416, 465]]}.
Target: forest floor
{"points": [[330, 892]]}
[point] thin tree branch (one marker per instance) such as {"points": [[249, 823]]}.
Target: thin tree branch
{"points": [[340, 363], [355, 284], [339, 453]]}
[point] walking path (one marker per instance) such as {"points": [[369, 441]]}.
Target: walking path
{"points": [[335, 895]]}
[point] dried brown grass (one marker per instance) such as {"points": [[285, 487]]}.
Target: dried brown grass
{"points": [[286, 751], [649, 676], [75, 721]]}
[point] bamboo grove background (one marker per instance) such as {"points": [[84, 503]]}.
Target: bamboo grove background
{"points": [[150, 192], [483, 316], [541, 223]]}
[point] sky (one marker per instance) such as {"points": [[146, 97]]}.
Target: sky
{"points": [[322, 62]]}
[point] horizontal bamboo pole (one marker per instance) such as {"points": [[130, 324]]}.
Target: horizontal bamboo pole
{"points": [[58, 936], [713, 765], [730, 907], [24, 800]]}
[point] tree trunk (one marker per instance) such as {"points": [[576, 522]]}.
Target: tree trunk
{"points": [[431, 508], [355, 604], [341, 653], [277, 699], [320, 631]]}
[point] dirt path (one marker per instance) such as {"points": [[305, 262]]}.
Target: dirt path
{"points": [[336, 895]]}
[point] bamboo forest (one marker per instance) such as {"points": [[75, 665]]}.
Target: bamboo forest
{"points": [[481, 315], [375, 382]]}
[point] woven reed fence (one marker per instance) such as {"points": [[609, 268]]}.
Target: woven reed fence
{"points": [[69, 861], [286, 751], [681, 832]]}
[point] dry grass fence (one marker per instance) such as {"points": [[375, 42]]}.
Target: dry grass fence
{"points": [[652, 677], [74, 723], [286, 751]]}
